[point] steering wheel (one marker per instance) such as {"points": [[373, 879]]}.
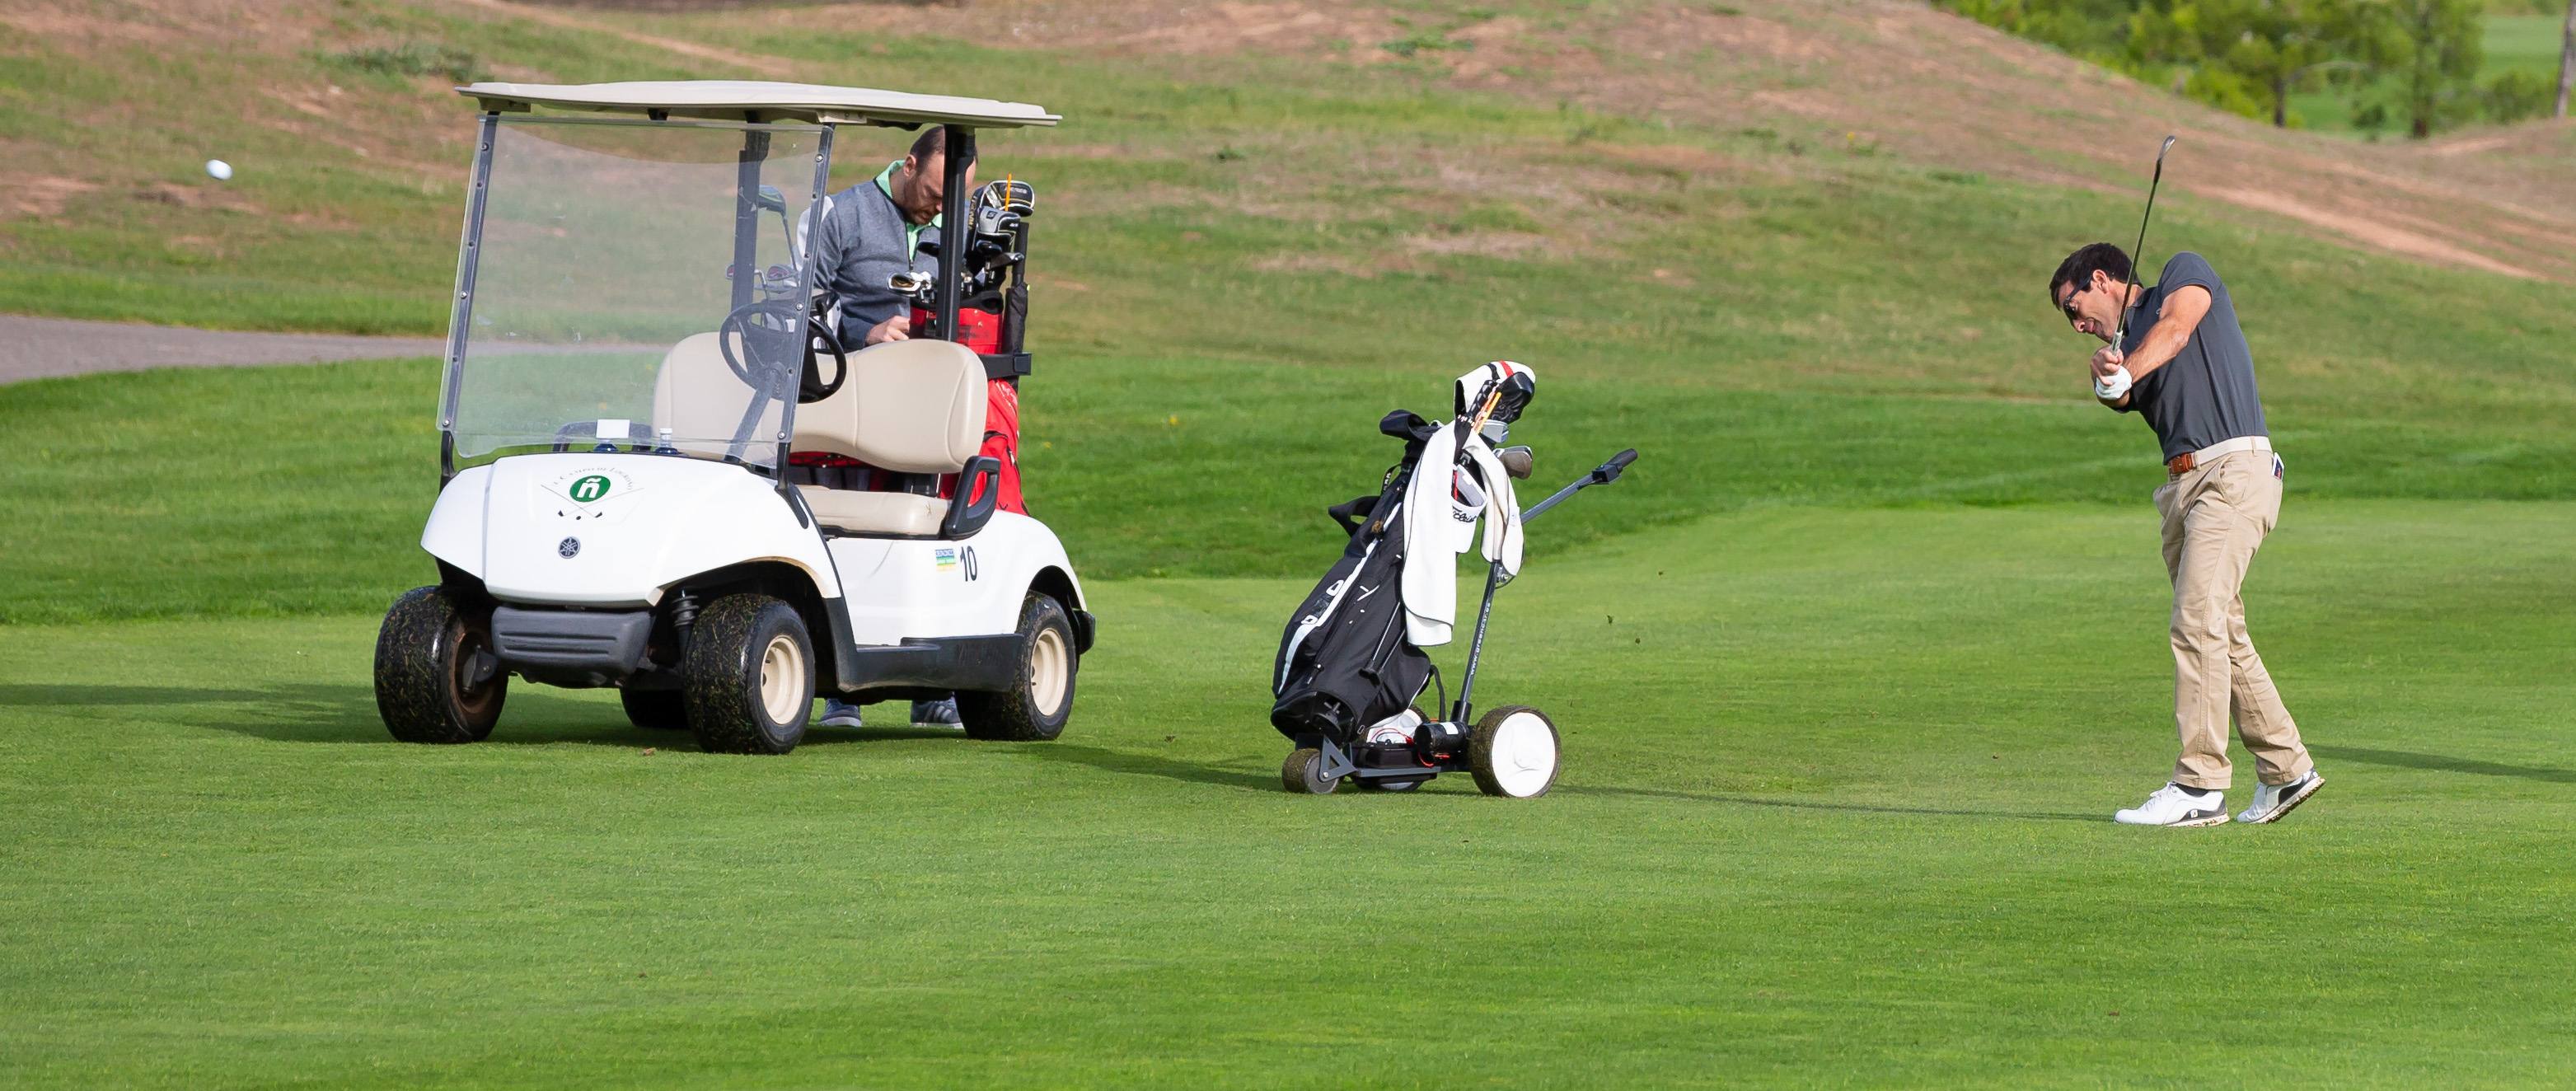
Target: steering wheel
{"points": [[764, 321]]}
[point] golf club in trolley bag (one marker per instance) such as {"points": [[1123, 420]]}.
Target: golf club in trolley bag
{"points": [[1349, 671]]}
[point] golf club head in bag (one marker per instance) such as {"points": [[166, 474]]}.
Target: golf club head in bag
{"points": [[1508, 385]]}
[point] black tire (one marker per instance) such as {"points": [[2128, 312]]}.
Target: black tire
{"points": [[1047, 669], [656, 709], [1515, 782], [1303, 774], [747, 676], [425, 658]]}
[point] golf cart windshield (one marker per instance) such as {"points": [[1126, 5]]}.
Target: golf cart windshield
{"points": [[632, 285]]}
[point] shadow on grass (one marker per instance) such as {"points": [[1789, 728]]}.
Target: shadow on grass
{"points": [[1809, 805], [2405, 759], [1148, 765], [320, 713]]}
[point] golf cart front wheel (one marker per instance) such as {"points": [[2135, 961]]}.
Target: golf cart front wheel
{"points": [[437, 680], [1303, 773], [1040, 699], [1512, 752], [747, 676]]}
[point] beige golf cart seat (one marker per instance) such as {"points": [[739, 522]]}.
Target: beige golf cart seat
{"points": [[913, 407], [697, 397]]}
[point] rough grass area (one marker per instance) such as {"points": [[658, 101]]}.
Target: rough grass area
{"points": [[1212, 147], [1834, 813]]}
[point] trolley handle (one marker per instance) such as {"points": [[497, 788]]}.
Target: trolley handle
{"points": [[1603, 474]]}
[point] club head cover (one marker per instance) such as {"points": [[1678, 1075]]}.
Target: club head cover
{"points": [[1515, 382]]}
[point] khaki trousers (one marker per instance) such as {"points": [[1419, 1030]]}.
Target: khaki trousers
{"points": [[2215, 517]]}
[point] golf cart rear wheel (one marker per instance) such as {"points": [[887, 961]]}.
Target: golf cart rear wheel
{"points": [[1040, 699], [656, 709], [1512, 752], [747, 676], [436, 678], [1303, 773]]}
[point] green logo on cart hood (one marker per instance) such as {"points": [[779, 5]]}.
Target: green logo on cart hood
{"points": [[589, 490]]}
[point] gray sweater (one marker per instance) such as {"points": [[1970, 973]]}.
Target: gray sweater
{"points": [[863, 242]]}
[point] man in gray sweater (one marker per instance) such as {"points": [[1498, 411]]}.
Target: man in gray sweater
{"points": [[872, 231], [869, 233]]}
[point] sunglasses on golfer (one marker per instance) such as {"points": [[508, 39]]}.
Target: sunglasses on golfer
{"points": [[2068, 304]]}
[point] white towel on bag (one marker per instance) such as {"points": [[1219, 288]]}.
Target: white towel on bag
{"points": [[1441, 508]]}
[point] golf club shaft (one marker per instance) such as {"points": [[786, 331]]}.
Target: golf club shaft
{"points": [[2138, 253]]}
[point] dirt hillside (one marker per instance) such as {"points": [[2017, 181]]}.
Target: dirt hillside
{"points": [[1925, 85]]}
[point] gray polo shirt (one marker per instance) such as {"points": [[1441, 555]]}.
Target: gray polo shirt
{"points": [[2205, 395]]}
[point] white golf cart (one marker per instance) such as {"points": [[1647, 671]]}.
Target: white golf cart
{"points": [[629, 368]]}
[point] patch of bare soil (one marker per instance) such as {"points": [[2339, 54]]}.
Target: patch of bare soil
{"points": [[40, 196], [606, 23], [75, 24], [205, 196], [2381, 233]]}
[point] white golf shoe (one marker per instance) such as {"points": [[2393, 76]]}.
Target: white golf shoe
{"points": [[2175, 805], [2272, 801]]}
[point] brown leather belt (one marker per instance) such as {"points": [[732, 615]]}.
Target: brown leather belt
{"points": [[2187, 461]]}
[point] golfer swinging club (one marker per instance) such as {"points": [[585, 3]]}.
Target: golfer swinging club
{"points": [[2191, 376]]}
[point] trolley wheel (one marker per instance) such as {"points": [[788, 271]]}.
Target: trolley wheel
{"points": [[1512, 752], [1303, 773], [1375, 784]]}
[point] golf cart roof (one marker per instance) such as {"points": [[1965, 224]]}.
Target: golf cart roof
{"points": [[737, 100]]}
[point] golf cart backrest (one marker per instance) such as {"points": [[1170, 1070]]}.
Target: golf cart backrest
{"points": [[697, 397], [908, 406]]}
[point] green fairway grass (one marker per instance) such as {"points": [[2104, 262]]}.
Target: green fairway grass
{"points": [[303, 489], [1834, 812]]}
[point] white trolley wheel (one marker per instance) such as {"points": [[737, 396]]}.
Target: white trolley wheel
{"points": [[1512, 752]]}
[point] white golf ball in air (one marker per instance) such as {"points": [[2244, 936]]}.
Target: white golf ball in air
{"points": [[222, 171]]}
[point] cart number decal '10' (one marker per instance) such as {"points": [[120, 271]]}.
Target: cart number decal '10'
{"points": [[590, 489], [960, 560]]}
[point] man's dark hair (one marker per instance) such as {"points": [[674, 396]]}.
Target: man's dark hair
{"points": [[934, 141], [2079, 267]]}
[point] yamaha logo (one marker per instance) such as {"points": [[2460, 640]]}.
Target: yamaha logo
{"points": [[568, 547]]}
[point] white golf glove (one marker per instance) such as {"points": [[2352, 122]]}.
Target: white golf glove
{"points": [[2110, 387]]}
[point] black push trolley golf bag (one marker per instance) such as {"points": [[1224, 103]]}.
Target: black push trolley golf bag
{"points": [[1344, 662]]}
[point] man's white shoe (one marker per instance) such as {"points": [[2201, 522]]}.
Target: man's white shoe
{"points": [[2272, 801], [2175, 805]]}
